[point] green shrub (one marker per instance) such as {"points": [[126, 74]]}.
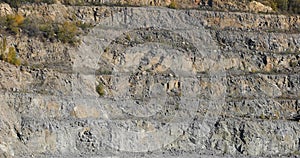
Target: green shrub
{"points": [[173, 5], [30, 27], [282, 5], [67, 33], [100, 89], [73, 2], [12, 57], [294, 6], [3, 44], [127, 37], [83, 26], [48, 31], [13, 23]]}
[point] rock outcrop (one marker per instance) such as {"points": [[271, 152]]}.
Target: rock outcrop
{"points": [[173, 82]]}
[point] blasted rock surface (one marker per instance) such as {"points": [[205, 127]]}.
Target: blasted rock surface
{"points": [[175, 83]]}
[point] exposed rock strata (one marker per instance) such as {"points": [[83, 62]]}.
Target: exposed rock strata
{"points": [[196, 82]]}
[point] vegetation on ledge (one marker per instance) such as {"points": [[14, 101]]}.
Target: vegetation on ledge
{"points": [[66, 32]]}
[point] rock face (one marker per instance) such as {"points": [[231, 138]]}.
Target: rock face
{"points": [[258, 7], [175, 82], [5, 9]]}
